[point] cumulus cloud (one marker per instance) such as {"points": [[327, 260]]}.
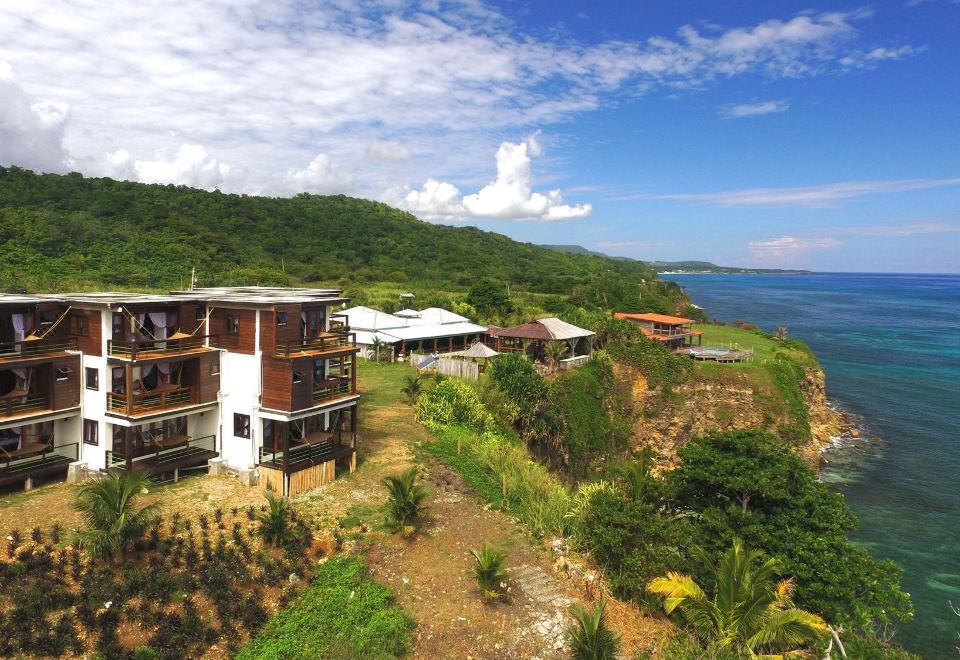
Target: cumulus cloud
{"points": [[320, 177], [190, 166], [826, 196], [754, 109], [277, 84], [509, 197], [31, 131]]}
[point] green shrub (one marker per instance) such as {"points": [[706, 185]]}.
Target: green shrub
{"points": [[453, 402], [406, 500], [658, 364], [489, 570], [589, 636]]}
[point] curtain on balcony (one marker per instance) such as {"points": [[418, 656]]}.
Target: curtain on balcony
{"points": [[18, 326], [159, 320]]}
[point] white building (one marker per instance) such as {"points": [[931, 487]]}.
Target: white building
{"points": [[246, 377], [432, 330]]}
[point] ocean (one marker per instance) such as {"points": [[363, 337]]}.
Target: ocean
{"points": [[890, 347]]}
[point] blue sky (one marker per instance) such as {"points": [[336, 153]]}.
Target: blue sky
{"points": [[760, 134]]}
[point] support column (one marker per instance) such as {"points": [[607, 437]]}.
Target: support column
{"points": [[286, 459], [128, 447], [129, 387]]}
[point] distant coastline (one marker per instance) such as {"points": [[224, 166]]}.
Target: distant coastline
{"points": [[736, 271]]}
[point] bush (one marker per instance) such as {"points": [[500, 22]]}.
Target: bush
{"points": [[589, 637], [489, 570], [453, 402], [658, 364], [406, 498]]}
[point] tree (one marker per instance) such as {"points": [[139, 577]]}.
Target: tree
{"points": [[749, 610], [555, 351], [377, 348], [276, 525], [412, 389], [781, 333], [750, 485], [489, 296], [589, 636], [108, 506], [636, 476], [405, 502]]}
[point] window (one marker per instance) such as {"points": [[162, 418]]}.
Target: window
{"points": [[319, 370], [47, 318], [241, 425], [80, 326], [297, 377], [233, 324], [93, 378], [200, 314], [117, 326], [215, 367], [90, 432], [63, 373], [281, 318]]}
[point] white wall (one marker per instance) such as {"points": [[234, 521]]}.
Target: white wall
{"points": [[93, 405], [239, 393]]}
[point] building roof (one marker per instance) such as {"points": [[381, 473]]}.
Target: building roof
{"points": [[365, 318], [654, 318], [545, 329], [435, 330], [479, 350], [16, 299], [439, 315], [244, 295], [408, 313]]}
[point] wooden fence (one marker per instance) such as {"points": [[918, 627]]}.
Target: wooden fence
{"points": [[456, 367]]}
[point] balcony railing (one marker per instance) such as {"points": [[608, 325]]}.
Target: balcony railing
{"points": [[19, 350], [155, 348], [23, 405], [145, 402], [27, 462], [332, 389], [339, 323], [331, 341], [165, 451], [303, 456]]}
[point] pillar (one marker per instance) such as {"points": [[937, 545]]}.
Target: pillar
{"points": [[128, 447]]}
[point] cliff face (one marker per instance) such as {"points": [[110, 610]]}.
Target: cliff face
{"points": [[666, 422]]}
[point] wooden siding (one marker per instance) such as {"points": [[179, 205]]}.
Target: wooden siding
{"points": [[208, 384], [242, 342], [61, 394], [277, 384], [90, 342], [270, 479]]}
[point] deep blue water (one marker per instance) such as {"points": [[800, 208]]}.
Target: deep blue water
{"points": [[890, 347]]}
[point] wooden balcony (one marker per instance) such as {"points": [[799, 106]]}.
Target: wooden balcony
{"points": [[36, 349], [332, 388], [159, 399], [161, 348], [20, 405], [165, 454], [37, 460], [327, 343]]}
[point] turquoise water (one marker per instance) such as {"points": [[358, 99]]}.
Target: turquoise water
{"points": [[890, 346]]}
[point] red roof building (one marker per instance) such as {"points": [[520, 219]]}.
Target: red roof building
{"points": [[674, 331]]}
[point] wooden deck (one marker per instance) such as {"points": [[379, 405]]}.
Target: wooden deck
{"points": [[190, 453], [50, 464]]}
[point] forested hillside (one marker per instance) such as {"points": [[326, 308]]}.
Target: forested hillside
{"points": [[70, 232]]}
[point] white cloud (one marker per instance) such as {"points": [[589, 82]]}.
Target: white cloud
{"points": [[871, 58], [789, 249], [31, 131], [191, 166], [901, 230], [388, 151], [509, 197], [279, 83], [754, 109], [826, 196], [320, 177]]}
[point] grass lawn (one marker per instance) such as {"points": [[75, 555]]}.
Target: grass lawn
{"points": [[763, 348]]}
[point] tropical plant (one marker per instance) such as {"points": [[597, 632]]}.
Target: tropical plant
{"points": [[276, 526], [377, 348], [636, 477], [749, 612], [108, 506], [412, 389], [555, 350], [589, 636], [406, 498], [781, 333], [489, 571]]}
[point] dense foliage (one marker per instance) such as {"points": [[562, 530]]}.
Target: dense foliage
{"points": [[67, 232]]}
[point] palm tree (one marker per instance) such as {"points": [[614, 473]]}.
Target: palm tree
{"points": [[413, 388], [406, 499], [636, 476], [781, 333], [750, 612], [275, 522], [555, 351], [590, 637], [376, 347], [108, 506], [489, 570]]}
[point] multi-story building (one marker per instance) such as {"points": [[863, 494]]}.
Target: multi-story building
{"points": [[244, 377]]}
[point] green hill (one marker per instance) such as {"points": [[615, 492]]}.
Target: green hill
{"points": [[677, 266], [71, 232]]}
